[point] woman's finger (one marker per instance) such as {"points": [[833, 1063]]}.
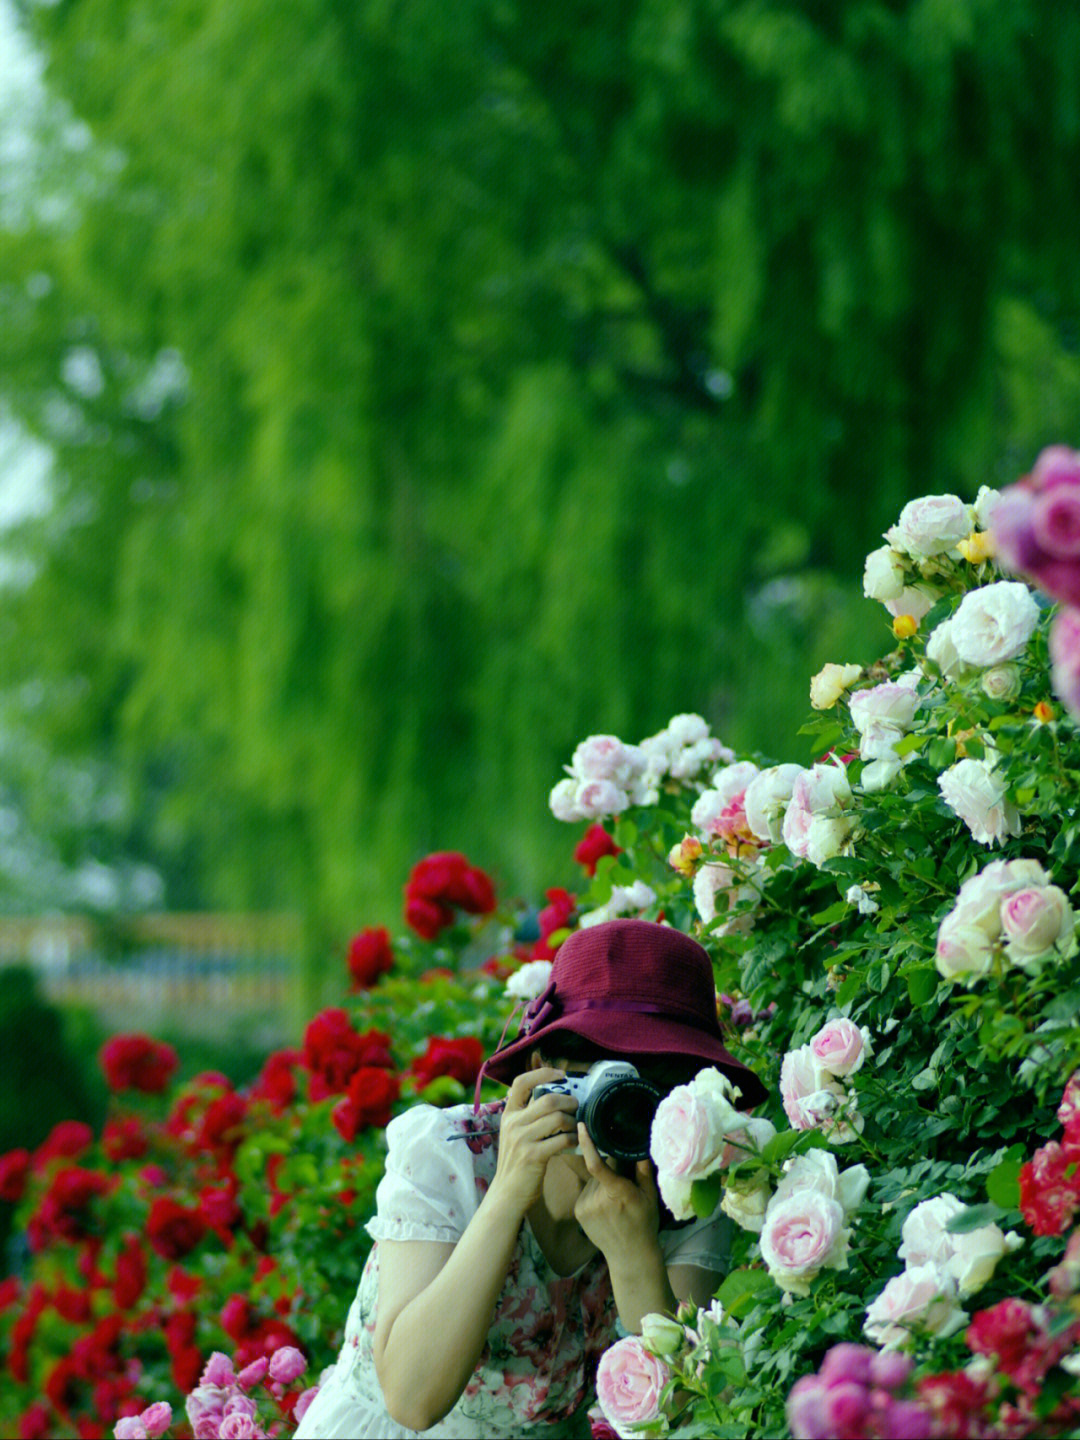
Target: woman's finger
{"points": [[595, 1163]]}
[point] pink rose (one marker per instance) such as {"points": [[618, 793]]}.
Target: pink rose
{"points": [[130, 1427], [1068, 1112], [303, 1404], [922, 1298], [157, 1417], [252, 1374], [801, 1236], [800, 1077], [597, 798], [685, 1141], [1034, 921], [840, 1047], [218, 1371], [239, 1426], [287, 1364], [1065, 657], [962, 950], [629, 1382], [206, 1403]]}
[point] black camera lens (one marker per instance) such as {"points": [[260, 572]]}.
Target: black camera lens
{"points": [[619, 1118]]}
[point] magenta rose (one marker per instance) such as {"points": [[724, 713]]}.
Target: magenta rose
{"points": [[629, 1383]]}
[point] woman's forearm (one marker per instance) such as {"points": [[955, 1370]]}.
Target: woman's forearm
{"points": [[434, 1344], [641, 1286]]}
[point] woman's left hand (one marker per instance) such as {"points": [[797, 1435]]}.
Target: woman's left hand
{"points": [[617, 1213]]}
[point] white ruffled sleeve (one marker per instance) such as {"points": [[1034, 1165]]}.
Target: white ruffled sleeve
{"points": [[706, 1243], [429, 1189]]}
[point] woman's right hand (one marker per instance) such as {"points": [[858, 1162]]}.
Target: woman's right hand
{"points": [[531, 1134]]}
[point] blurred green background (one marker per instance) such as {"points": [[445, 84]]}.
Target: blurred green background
{"points": [[395, 392]]}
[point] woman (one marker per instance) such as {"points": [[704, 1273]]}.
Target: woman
{"points": [[507, 1249]]}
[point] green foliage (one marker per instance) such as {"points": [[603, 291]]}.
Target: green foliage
{"points": [[481, 376]]}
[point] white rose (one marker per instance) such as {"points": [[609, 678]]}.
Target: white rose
{"points": [[994, 623], [818, 1170], [976, 1254], [883, 574], [978, 901], [691, 759], [732, 781], [962, 951], [746, 1198], [890, 703], [766, 799], [879, 741], [915, 600], [829, 684], [856, 895], [880, 773], [942, 651], [687, 729], [801, 1236], [921, 1300], [563, 801], [530, 981], [930, 525], [1035, 920], [708, 882], [976, 795], [661, 1334], [827, 838], [601, 757], [925, 1238], [597, 798], [806, 829], [675, 1191], [986, 502], [1001, 682]]}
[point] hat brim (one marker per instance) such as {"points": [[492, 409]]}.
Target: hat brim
{"points": [[661, 1036]]}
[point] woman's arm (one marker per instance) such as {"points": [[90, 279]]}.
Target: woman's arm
{"points": [[436, 1300]]}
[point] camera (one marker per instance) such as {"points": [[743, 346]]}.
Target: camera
{"points": [[615, 1104]]}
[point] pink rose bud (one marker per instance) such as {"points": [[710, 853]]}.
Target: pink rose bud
{"points": [[847, 1362], [253, 1374], [241, 1405], [806, 1410], [303, 1403], [287, 1365], [157, 1418], [218, 1370], [130, 1427], [890, 1369]]}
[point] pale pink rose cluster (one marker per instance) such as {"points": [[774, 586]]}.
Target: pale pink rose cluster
{"points": [[1008, 913], [683, 749], [882, 716], [696, 1131], [718, 892], [154, 1420], [805, 1228], [904, 574], [939, 1269], [812, 1080], [818, 822], [630, 1380], [975, 792], [221, 1406], [720, 811]]}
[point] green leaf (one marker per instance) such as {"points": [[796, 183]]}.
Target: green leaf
{"points": [[974, 1217], [737, 1293], [780, 1146], [910, 744], [1003, 1182], [705, 1194], [922, 983], [833, 913]]}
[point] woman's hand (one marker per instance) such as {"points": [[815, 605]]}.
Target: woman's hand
{"points": [[617, 1213], [532, 1133]]}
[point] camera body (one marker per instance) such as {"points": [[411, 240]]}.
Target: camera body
{"points": [[615, 1105]]}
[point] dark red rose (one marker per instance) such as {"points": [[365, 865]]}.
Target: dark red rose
{"points": [[556, 915], [236, 1318], [10, 1292], [14, 1172], [427, 917], [181, 1285], [499, 967], [35, 1422], [136, 1062], [277, 1083], [124, 1139], [173, 1230], [219, 1209], [187, 1366], [66, 1208], [1050, 1188], [334, 1051], [263, 1339], [65, 1141], [222, 1123], [73, 1305], [130, 1279], [369, 1101], [459, 1058], [592, 845], [370, 955], [62, 1387], [179, 1330]]}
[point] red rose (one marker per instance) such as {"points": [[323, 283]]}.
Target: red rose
{"points": [[14, 1171], [187, 1366], [592, 845], [173, 1230], [277, 1083], [369, 1101], [219, 1209], [1011, 1332], [427, 917], [135, 1062], [334, 1051], [65, 1141], [35, 1422], [181, 1285], [459, 1058], [124, 1139], [370, 955], [130, 1279], [957, 1402], [554, 916], [65, 1211], [10, 1292], [1050, 1188], [73, 1305], [222, 1122], [236, 1319]]}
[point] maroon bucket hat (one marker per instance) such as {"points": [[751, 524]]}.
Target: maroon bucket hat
{"points": [[633, 987]]}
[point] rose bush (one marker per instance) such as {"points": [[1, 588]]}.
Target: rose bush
{"points": [[891, 914]]}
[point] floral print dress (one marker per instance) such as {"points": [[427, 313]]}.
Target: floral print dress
{"points": [[536, 1372]]}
